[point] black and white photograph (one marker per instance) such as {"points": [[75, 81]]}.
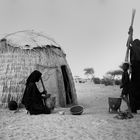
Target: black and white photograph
{"points": [[69, 70]]}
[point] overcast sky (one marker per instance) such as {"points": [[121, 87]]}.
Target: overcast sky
{"points": [[93, 33]]}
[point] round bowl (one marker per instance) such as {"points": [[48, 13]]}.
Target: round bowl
{"points": [[76, 110], [12, 105]]}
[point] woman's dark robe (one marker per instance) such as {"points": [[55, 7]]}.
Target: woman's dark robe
{"points": [[135, 76], [32, 98]]}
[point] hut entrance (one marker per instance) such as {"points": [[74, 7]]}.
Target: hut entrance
{"points": [[67, 85]]}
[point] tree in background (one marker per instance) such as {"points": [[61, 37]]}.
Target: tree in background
{"points": [[110, 78], [114, 73], [107, 80], [89, 72]]}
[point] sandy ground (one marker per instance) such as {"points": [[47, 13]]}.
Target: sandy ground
{"points": [[96, 123]]}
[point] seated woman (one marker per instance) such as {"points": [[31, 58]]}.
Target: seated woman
{"points": [[33, 99]]}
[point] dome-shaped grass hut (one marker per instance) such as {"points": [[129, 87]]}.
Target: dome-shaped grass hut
{"points": [[25, 51]]}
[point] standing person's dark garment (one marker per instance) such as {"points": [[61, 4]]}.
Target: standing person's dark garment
{"points": [[32, 98], [135, 76], [125, 83]]}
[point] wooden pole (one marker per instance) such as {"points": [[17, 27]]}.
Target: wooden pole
{"points": [[42, 84], [130, 39], [130, 36], [44, 100]]}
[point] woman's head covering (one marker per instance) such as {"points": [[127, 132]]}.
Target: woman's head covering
{"points": [[136, 42], [34, 77]]}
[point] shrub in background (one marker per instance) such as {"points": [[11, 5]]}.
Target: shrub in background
{"points": [[107, 81], [97, 80]]}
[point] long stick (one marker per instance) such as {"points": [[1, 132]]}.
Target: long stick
{"points": [[125, 99], [127, 51], [130, 36], [44, 100], [42, 84], [133, 15]]}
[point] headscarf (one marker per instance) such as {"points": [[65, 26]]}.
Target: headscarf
{"points": [[135, 52], [33, 77], [136, 42]]}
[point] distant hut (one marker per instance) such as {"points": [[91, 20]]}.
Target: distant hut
{"points": [[25, 51]]}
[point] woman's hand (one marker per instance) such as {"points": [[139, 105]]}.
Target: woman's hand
{"points": [[45, 96], [44, 92]]}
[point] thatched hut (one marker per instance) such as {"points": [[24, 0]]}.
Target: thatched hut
{"points": [[25, 51]]}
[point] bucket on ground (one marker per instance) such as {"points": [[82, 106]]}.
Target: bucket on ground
{"points": [[114, 104]]}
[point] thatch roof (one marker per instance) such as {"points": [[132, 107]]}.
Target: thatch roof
{"points": [[29, 39]]}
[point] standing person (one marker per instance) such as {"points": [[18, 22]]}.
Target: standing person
{"points": [[135, 75], [125, 84], [32, 97]]}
